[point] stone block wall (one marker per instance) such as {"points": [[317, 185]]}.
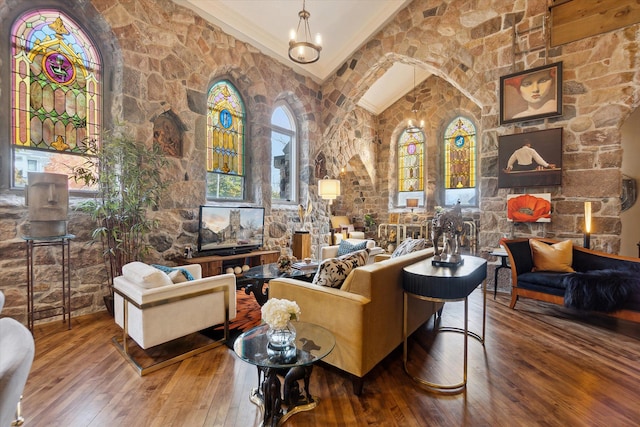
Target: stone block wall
{"points": [[164, 57]]}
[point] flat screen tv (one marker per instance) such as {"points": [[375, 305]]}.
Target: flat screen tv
{"points": [[227, 230]]}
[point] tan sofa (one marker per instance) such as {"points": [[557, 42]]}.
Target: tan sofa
{"points": [[365, 314]]}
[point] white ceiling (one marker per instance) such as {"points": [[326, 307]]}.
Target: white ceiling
{"points": [[344, 25]]}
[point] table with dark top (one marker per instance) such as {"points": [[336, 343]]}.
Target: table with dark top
{"points": [[429, 282], [261, 274], [504, 256], [276, 400]]}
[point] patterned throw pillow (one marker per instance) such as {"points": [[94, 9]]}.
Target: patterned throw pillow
{"points": [[333, 271], [346, 247], [409, 245]]}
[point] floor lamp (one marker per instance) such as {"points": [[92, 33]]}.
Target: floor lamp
{"points": [[329, 189]]}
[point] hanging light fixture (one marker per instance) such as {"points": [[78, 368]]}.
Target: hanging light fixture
{"points": [[301, 49], [414, 127]]}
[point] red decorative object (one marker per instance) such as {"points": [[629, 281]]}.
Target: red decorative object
{"points": [[528, 208]]}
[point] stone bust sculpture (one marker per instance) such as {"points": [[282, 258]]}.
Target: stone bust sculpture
{"points": [[47, 197]]}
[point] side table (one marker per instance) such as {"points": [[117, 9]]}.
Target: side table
{"points": [[503, 255], [261, 274], [64, 242], [276, 403], [425, 281]]}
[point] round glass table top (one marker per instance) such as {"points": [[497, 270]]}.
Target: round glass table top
{"points": [[312, 343], [271, 271]]}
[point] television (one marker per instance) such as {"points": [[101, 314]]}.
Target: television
{"points": [[227, 230]]}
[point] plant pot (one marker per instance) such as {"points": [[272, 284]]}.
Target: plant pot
{"points": [[108, 303]]}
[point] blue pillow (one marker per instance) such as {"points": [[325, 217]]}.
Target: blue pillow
{"points": [[168, 270], [346, 247]]}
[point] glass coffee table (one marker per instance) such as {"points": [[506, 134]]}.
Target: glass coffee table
{"points": [[260, 274], [279, 400]]}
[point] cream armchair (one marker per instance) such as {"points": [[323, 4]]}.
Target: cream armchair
{"points": [[153, 310], [16, 356], [332, 250]]}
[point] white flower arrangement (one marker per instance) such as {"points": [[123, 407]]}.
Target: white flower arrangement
{"points": [[278, 312]]}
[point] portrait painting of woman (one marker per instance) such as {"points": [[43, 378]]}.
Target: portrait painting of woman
{"points": [[532, 94]]}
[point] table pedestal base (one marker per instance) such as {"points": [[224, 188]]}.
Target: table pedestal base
{"points": [[277, 406]]}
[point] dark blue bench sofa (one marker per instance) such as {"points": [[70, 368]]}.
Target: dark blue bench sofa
{"points": [[615, 277]]}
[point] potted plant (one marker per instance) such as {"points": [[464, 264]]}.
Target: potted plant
{"points": [[369, 222], [126, 177]]}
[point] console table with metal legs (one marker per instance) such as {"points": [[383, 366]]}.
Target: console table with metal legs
{"points": [[64, 242], [429, 282]]}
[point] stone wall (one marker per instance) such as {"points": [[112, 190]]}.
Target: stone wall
{"points": [[470, 47], [162, 57]]}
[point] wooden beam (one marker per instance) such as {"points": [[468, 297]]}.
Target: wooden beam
{"points": [[577, 19]]}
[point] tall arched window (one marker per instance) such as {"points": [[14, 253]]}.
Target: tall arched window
{"points": [[411, 166], [460, 163], [225, 142], [284, 155], [56, 93]]}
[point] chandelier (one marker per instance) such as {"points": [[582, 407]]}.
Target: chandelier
{"points": [[419, 124], [301, 49]]}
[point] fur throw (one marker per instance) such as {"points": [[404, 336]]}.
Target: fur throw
{"points": [[600, 290]]}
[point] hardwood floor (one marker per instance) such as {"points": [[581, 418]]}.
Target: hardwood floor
{"points": [[541, 366]]}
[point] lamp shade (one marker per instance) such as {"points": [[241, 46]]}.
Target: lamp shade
{"points": [[412, 203], [329, 188]]}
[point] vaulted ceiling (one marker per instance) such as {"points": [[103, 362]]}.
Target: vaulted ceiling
{"points": [[345, 25]]}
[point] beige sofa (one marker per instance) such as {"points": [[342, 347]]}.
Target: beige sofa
{"points": [[365, 314]]}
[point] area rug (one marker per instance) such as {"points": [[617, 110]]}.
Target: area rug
{"points": [[248, 315]]}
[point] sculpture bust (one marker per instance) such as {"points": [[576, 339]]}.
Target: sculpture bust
{"points": [[47, 197], [449, 225]]}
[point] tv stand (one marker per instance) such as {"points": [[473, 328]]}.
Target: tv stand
{"points": [[213, 265]]}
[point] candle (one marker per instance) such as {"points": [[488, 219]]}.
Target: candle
{"points": [[587, 217]]}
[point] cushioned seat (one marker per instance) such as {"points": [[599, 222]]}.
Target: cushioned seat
{"points": [[16, 356], [331, 251], [158, 310]]}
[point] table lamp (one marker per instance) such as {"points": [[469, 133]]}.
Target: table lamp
{"points": [[329, 189]]}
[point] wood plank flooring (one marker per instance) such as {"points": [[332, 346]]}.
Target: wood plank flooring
{"points": [[541, 366]]}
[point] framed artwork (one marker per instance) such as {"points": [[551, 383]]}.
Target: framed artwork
{"points": [[530, 159], [529, 207], [531, 94]]}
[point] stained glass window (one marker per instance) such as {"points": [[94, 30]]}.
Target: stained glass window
{"points": [[411, 166], [460, 162], [283, 154], [225, 142], [56, 93]]}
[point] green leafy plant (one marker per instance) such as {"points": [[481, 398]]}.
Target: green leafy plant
{"points": [[369, 221], [126, 176]]}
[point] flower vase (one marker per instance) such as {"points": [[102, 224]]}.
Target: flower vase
{"points": [[281, 338], [282, 348]]}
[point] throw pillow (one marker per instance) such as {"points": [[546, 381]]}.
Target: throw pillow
{"points": [[145, 275], [557, 257], [347, 247], [409, 245], [333, 271], [175, 273]]}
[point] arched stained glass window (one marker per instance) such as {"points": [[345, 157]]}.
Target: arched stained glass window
{"points": [[225, 142], [283, 154], [460, 162], [56, 93], [411, 166]]}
